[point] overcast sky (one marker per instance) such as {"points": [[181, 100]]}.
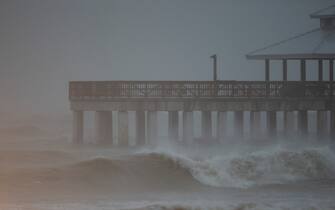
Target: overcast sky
{"points": [[46, 43]]}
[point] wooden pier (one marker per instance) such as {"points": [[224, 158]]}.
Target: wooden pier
{"points": [[146, 98], [150, 97]]}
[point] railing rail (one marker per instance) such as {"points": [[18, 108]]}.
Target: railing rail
{"points": [[95, 90]]}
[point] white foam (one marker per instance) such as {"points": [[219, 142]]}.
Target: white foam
{"points": [[277, 164]]}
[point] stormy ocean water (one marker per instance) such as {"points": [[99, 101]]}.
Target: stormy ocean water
{"points": [[40, 174]]}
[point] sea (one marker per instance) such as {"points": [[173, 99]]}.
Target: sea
{"points": [[269, 174]]}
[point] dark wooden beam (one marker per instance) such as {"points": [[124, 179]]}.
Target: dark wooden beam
{"points": [[303, 70], [267, 77], [267, 70], [331, 70], [320, 70], [331, 76], [284, 70]]}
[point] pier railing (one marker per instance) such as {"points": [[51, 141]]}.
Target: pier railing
{"points": [[101, 90]]}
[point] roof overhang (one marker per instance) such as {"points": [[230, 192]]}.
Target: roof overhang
{"points": [[322, 16], [291, 56], [328, 12]]}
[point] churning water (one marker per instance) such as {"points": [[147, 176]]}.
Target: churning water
{"points": [[275, 176]]}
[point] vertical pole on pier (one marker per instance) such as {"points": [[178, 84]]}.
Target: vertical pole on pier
{"points": [[303, 122], [332, 112], [332, 124], [173, 125], [303, 114], [140, 128], [78, 127], [303, 70], [206, 125], [221, 126], [123, 137], [320, 70], [321, 116], [152, 128], [284, 70], [188, 127], [255, 123], [287, 115], [321, 120], [104, 127], [289, 124], [238, 123], [331, 77], [214, 57], [267, 76], [271, 123]]}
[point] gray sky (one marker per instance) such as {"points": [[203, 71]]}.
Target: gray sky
{"points": [[46, 43]]}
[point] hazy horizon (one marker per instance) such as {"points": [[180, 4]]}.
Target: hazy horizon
{"points": [[45, 44]]}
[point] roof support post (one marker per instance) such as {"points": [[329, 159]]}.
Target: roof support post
{"points": [[267, 70], [321, 116], [286, 114], [284, 70], [303, 70], [303, 73], [267, 76], [320, 70], [331, 76]]}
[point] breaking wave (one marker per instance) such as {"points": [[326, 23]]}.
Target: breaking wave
{"points": [[157, 169], [278, 166], [168, 179]]}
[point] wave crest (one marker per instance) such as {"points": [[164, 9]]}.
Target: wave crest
{"points": [[257, 168]]}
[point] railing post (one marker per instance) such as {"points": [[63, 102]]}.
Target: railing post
{"points": [[267, 77]]}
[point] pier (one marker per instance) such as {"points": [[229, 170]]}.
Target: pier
{"points": [[296, 99]]}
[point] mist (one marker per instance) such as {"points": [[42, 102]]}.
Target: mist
{"points": [[205, 145], [45, 44]]}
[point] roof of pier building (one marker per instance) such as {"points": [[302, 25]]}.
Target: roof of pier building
{"points": [[324, 13], [318, 43]]}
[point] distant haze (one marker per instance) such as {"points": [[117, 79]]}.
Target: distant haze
{"points": [[46, 43]]}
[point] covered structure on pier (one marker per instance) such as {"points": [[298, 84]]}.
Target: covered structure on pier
{"points": [[180, 99], [317, 45]]}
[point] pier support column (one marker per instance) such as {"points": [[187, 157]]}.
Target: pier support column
{"points": [[288, 123], [173, 125], [206, 125], [152, 127], [332, 125], [78, 127], [321, 124], [123, 136], [238, 123], [103, 127], [221, 125], [302, 123], [188, 127], [271, 123], [255, 123], [140, 128]]}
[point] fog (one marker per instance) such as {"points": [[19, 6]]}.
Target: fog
{"points": [[44, 44], [252, 163]]}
